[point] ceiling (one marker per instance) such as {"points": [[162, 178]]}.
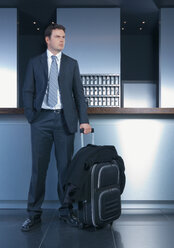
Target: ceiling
{"points": [[133, 13]]}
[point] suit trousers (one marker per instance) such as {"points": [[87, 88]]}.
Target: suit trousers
{"points": [[49, 127]]}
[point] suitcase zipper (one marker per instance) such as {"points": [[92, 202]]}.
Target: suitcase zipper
{"points": [[92, 195]]}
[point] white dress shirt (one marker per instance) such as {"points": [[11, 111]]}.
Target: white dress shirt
{"points": [[45, 102]]}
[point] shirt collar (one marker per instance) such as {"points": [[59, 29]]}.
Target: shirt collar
{"points": [[49, 54]]}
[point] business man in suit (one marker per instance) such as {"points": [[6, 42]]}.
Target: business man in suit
{"points": [[53, 102]]}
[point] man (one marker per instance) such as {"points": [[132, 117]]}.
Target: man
{"points": [[53, 101]]}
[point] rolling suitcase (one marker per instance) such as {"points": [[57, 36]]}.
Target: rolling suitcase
{"points": [[98, 179]]}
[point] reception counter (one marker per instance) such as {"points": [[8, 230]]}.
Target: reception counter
{"points": [[107, 110], [143, 137]]}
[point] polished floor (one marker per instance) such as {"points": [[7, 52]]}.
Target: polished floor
{"points": [[136, 228]]}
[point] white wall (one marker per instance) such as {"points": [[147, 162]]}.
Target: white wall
{"points": [[8, 58]]}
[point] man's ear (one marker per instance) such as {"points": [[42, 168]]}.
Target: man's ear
{"points": [[46, 39]]}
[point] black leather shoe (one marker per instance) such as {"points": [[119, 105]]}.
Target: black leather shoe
{"points": [[30, 223], [70, 219]]}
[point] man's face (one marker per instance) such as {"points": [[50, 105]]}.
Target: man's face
{"points": [[56, 41]]}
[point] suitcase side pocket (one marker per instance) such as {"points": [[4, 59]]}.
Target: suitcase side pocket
{"points": [[105, 193]]}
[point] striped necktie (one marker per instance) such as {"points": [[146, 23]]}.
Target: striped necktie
{"points": [[53, 83]]}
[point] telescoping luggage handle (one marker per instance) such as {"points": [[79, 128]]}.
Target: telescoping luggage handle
{"points": [[82, 136]]}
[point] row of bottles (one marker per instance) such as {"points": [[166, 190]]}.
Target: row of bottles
{"points": [[103, 101], [101, 90]]}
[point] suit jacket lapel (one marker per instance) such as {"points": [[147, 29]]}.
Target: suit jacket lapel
{"points": [[62, 68], [44, 62]]}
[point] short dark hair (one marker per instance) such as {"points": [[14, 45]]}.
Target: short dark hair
{"points": [[48, 30]]}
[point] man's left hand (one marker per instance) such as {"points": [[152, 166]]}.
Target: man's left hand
{"points": [[86, 127]]}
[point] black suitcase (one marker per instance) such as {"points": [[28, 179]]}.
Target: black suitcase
{"points": [[105, 204], [97, 179]]}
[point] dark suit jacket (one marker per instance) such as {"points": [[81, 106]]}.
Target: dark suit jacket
{"points": [[71, 89]]}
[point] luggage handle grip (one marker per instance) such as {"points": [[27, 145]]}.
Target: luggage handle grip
{"points": [[82, 136], [82, 130]]}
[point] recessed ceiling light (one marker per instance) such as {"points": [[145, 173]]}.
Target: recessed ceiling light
{"points": [[125, 22], [38, 29], [34, 23], [143, 22], [53, 22], [141, 28], [122, 28]]}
